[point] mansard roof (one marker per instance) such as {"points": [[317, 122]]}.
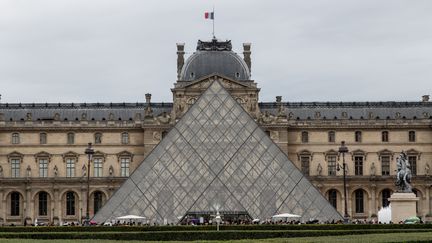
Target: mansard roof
{"points": [[79, 111], [293, 110], [351, 110]]}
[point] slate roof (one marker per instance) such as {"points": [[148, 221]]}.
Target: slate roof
{"points": [[297, 110], [71, 111]]}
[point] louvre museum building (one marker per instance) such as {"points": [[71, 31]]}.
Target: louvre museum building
{"points": [[215, 148]]}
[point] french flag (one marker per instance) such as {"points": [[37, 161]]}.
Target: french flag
{"points": [[209, 15]]}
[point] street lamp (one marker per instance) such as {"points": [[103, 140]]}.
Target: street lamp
{"points": [[342, 150], [89, 151]]}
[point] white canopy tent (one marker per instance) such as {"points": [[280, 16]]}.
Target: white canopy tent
{"points": [[130, 217], [286, 215]]}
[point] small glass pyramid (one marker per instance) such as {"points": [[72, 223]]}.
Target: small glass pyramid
{"points": [[216, 158]]}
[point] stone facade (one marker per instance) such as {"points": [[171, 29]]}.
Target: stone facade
{"points": [[43, 165]]}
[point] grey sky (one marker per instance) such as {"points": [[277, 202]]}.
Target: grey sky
{"points": [[115, 51]]}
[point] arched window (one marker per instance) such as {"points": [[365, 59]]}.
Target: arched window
{"points": [[43, 203], [15, 138], [305, 137], [411, 136], [358, 136], [71, 138], [359, 201], [98, 138], [97, 201], [70, 203], [332, 197], [331, 137], [385, 136], [43, 138], [15, 204], [385, 194], [125, 138]]}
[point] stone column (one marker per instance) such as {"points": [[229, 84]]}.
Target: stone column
{"points": [[247, 55], [373, 202]]}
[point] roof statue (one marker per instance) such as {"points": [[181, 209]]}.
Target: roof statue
{"points": [[216, 156], [403, 176]]}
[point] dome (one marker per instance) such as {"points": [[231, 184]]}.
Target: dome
{"points": [[214, 57]]}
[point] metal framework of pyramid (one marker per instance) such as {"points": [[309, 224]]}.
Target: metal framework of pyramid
{"points": [[216, 157]]}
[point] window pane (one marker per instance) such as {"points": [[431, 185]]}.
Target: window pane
{"points": [[70, 167], [43, 203], [358, 164], [70, 203], [412, 160], [305, 165], [97, 167], [15, 167], [412, 136], [71, 138], [385, 165], [305, 137], [331, 137], [333, 198], [125, 138], [43, 138], [15, 204], [124, 167], [359, 201], [43, 168], [331, 165]]}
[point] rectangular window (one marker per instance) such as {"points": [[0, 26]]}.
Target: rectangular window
{"points": [[305, 165], [70, 138], [411, 136], [70, 167], [97, 167], [331, 165], [43, 167], [385, 165], [15, 167], [43, 138], [15, 138], [385, 136], [331, 137], [358, 165], [358, 136], [124, 166], [412, 160]]}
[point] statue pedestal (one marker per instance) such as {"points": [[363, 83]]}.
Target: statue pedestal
{"points": [[403, 206]]}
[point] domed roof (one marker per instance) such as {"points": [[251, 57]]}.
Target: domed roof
{"points": [[214, 57]]}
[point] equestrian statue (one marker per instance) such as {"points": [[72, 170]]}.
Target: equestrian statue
{"points": [[403, 175]]}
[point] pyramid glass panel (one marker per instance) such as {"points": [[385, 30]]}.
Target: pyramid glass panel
{"points": [[216, 158]]}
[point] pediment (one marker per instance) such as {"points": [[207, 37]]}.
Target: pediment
{"points": [[15, 154], [70, 154], [204, 82]]}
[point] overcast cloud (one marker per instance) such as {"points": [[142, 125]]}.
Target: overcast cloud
{"points": [[118, 50]]}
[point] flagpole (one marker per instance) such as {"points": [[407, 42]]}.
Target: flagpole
{"points": [[213, 23]]}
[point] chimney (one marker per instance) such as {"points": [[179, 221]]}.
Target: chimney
{"points": [[247, 54], [425, 98], [180, 58], [148, 98]]}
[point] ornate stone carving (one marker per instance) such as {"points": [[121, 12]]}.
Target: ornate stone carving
{"points": [[164, 118], [319, 169], [55, 171], [266, 118], [274, 135], [214, 45], [28, 171], [403, 175], [157, 136], [84, 170], [373, 169], [84, 116], [56, 117], [111, 170], [111, 117], [29, 116]]}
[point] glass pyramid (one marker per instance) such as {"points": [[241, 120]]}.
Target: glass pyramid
{"points": [[216, 158]]}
